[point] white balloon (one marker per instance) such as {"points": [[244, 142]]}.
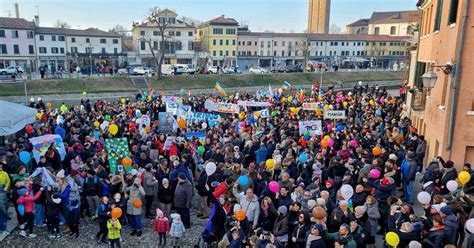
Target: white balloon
{"points": [[424, 197], [452, 185], [470, 225], [204, 125], [210, 168], [347, 191]]}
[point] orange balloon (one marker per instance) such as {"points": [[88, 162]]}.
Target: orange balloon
{"points": [[116, 213], [319, 213], [147, 129], [181, 123], [126, 162], [137, 203], [240, 215], [324, 143], [376, 151]]}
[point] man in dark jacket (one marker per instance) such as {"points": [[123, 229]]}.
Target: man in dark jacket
{"points": [[182, 200], [284, 198], [91, 190], [408, 176], [449, 173]]}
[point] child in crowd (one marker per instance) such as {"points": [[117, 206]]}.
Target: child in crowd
{"points": [[114, 227], [118, 203], [53, 208], [161, 225], [103, 212], [74, 217], [27, 204], [177, 229]]}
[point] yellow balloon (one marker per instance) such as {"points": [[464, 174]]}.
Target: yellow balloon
{"points": [[327, 137], [464, 177], [113, 129], [371, 102], [344, 104], [49, 105], [326, 107], [257, 114], [392, 239], [270, 163], [149, 98], [96, 124], [290, 98], [63, 107], [242, 115], [39, 116], [122, 100]]}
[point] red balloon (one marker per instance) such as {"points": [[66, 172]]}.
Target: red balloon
{"points": [[131, 125], [29, 129], [129, 112]]}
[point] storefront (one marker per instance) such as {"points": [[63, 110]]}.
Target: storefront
{"points": [[54, 63], [28, 64]]}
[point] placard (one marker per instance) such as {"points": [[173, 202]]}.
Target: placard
{"points": [[335, 114], [314, 127], [41, 144]]}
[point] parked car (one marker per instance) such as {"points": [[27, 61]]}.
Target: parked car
{"points": [[167, 69], [190, 69], [123, 71], [259, 70], [293, 68], [180, 69], [212, 70], [142, 71], [11, 70]]}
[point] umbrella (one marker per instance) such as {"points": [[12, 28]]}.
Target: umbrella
{"points": [[14, 117]]}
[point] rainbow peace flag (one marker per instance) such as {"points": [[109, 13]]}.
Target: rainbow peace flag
{"points": [[220, 89], [285, 86]]}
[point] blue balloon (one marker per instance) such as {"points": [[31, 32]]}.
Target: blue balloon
{"points": [[215, 184], [59, 130], [295, 101], [339, 128], [303, 158], [21, 209], [243, 180], [200, 167], [251, 120], [96, 134], [25, 157], [378, 112]]}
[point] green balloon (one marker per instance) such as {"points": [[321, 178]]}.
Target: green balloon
{"points": [[201, 149], [307, 133], [107, 117], [274, 113]]}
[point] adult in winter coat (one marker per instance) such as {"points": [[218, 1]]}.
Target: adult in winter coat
{"points": [[302, 228], [315, 239], [408, 176], [451, 224], [449, 173], [150, 185], [165, 196], [268, 213], [373, 213], [203, 187], [134, 210], [280, 229], [182, 199], [249, 203]]}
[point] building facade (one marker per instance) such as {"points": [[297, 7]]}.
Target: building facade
{"points": [[51, 44], [360, 26], [444, 114], [179, 40], [17, 43], [396, 23], [318, 16], [218, 38]]}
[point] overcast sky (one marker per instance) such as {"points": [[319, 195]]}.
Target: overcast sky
{"points": [[275, 15]]}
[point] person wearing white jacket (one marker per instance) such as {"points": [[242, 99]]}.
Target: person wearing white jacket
{"points": [[177, 230]]}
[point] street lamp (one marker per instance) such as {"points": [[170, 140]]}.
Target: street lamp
{"points": [[429, 79]]}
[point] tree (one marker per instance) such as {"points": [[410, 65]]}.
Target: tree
{"points": [[190, 20], [61, 24], [304, 47], [334, 29], [119, 29]]}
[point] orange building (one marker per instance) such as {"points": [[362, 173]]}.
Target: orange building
{"points": [[318, 16], [442, 100]]}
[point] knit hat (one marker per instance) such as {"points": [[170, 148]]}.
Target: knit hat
{"points": [[448, 164], [175, 216], [330, 182], [181, 176], [311, 204], [22, 191], [159, 213], [320, 202], [352, 218], [384, 181], [393, 157], [320, 228], [359, 211], [414, 244], [447, 210], [70, 149], [282, 210], [439, 206]]}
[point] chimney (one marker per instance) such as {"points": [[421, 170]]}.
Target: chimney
{"points": [[37, 20], [17, 11]]}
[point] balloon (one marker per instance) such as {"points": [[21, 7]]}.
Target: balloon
{"points": [[131, 125], [324, 143], [347, 191], [181, 123], [327, 137], [274, 113], [464, 177], [319, 213], [96, 134], [257, 114], [374, 173], [371, 102], [59, 130], [270, 163], [378, 112], [242, 115], [29, 129], [330, 142], [307, 133], [424, 197], [113, 129], [353, 143], [215, 184], [204, 125], [116, 213], [126, 162], [376, 151], [107, 117], [96, 124], [21, 209], [344, 104], [129, 112], [104, 125], [303, 158], [274, 186], [339, 128], [149, 97], [239, 215], [329, 126], [39, 116], [243, 180], [326, 106], [392, 239], [201, 149], [63, 108], [210, 168], [470, 225], [452, 185], [137, 203], [148, 129], [290, 99], [122, 100], [49, 105], [200, 167], [25, 157], [138, 113]]}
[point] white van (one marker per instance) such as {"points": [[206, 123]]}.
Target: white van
{"points": [[167, 69]]}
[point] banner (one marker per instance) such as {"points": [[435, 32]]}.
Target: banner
{"points": [[199, 135], [253, 104], [172, 100], [41, 144], [196, 117], [310, 106], [264, 113], [166, 122], [46, 177], [314, 127], [117, 149], [172, 108], [144, 120], [221, 107], [335, 114]]}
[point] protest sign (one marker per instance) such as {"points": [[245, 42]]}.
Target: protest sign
{"points": [[335, 114], [169, 142], [253, 104], [143, 121], [221, 107], [117, 149], [314, 127], [310, 106], [199, 135], [166, 122], [264, 113], [196, 117], [41, 144]]}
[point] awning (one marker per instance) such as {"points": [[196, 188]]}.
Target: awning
{"points": [[14, 117]]}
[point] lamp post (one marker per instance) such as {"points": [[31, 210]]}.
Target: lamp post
{"points": [[90, 59], [429, 80]]}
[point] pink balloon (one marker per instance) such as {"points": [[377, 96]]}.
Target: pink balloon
{"points": [[330, 142], [329, 126], [374, 173], [242, 124], [353, 143], [274, 187]]}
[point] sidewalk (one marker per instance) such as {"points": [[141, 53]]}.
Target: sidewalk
{"points": [[11, 224]]}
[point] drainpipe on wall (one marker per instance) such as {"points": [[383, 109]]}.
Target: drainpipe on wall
{"points": [[454, 83]]}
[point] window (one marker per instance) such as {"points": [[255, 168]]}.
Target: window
{"points": [[30, 35], [178, 33], [233, 42], [115, 41], [73, 49], [275, 43], [54, 50], [31, 49], [249, 43], [453, 11], [439, 12], [393, 30], [320, 53], [221, 42], [115, 50], [342, 44], [255, 42], [41, 37], [88, 40], [73, 40], [179, 46], [213, 53], [190, 33], [217, 31], [142, 45], [226, 42], [172, 20], [61, 38], [142, 33], [162, 20], [14, 33], [261, 53], [230, 31], [214, 42], [289, 53], [190, 45], [282, 53], [103, 41], [2, 33], [283, 43], [358, 53], [3, 48], [269, 44], [255, 53], [221, 53], [155, 45], [240, 43], [261, 44], [376, 30], [155, 33], [53, 38], [226, 53], [330, 53], [61, 50], [268, 53], [103, 50], [233, 53], [274, 53], [16, 49]]}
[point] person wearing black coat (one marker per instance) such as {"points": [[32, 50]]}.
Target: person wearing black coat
{"points": [[53, 208], [301, 230], [449, 173]]}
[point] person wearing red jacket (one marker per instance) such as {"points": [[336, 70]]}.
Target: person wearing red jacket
{"points": [[28, 202], [161, 225]]}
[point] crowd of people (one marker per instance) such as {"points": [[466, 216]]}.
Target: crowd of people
{"points": [[258, 181]]}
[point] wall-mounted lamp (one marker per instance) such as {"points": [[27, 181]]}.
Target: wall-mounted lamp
{"points": [[448, 68]]}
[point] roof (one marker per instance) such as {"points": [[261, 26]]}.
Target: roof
{"points": [[15, 23], [395, 17], [75, 32], [360, 22], [221, 20], [327, 37], [179, 24]]}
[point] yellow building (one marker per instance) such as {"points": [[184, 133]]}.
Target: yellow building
{"points": [[384, 50], [218, 38], [318, 16]]}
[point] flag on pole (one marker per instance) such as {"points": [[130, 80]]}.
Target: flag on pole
{"points": [[270, 91], [220, 89], [285, 86]]}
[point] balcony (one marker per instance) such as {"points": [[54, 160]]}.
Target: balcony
{"points": [[418, 101]]}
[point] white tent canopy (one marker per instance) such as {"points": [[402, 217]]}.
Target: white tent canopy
{"points": [[14, 117]]}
